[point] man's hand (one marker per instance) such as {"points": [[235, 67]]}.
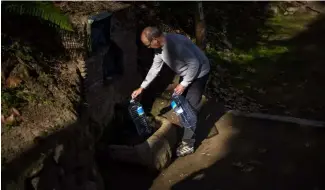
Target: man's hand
{"points": [[136, 93], [179, 89]]}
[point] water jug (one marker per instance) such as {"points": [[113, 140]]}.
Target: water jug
{"points": [[185, 112], [139, 118]]}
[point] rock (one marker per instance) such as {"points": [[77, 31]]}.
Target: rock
{"points": [[68, 159], [35, 182], [57, 152], [37, 168]]}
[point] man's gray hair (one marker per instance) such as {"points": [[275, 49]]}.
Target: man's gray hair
{"points": [[152, 32]]}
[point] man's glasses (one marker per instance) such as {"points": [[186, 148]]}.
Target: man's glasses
{"points": [[148, 46]]}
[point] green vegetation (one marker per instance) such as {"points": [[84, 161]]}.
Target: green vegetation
{"points": [[274, 71], [288, 26], [12, 98], [43, 10]]}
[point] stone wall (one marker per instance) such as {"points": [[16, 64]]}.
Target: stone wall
{"points": [[65, 159]]}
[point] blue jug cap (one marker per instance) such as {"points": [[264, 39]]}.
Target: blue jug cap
{"points": [[140, 111], [173, 104]]}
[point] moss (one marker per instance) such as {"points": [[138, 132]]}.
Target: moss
{"points": [[242, 57], [288, 26]]}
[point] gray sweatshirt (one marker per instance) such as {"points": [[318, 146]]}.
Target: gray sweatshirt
{"points": [[182, 56]]}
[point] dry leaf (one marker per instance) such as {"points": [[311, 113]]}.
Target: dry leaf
{"points": [[15, 112], [12, 82], [10, 120]]}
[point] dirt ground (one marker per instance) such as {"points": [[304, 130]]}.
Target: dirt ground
{"points": [[245, 155]]}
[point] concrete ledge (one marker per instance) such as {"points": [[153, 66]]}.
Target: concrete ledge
{"points": [[155, 153], [287, 119]]}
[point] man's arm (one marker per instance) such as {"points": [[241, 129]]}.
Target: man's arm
{"points": [[154, 70], [193, 66]]}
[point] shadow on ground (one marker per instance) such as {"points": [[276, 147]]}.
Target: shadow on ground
{"points": [[208, 116], [30, 163], [263, 155]]}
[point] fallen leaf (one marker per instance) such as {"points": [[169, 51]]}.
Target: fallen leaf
{"points": [[10, 120], [15, 112], [12, 82]]}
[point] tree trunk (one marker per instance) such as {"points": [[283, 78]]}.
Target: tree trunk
{"points": [[200, 27]]}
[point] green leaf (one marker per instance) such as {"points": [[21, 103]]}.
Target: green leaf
{"points": [[43, 10]]}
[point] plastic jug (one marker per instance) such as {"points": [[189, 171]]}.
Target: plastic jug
{"points": [[139, 118], [185, 112]]}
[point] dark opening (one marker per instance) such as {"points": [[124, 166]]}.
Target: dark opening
{"points": [[122, 130], [100, 38], [100, 30]]}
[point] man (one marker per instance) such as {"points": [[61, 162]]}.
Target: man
{"points": [[186, 60]]}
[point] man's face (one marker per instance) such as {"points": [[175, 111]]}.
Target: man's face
{"points": [[154, 43]]}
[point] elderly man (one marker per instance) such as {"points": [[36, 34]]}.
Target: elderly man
{"points": [[186, 60]]}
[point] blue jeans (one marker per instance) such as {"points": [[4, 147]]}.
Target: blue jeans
{"points": [[193, 94]]}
